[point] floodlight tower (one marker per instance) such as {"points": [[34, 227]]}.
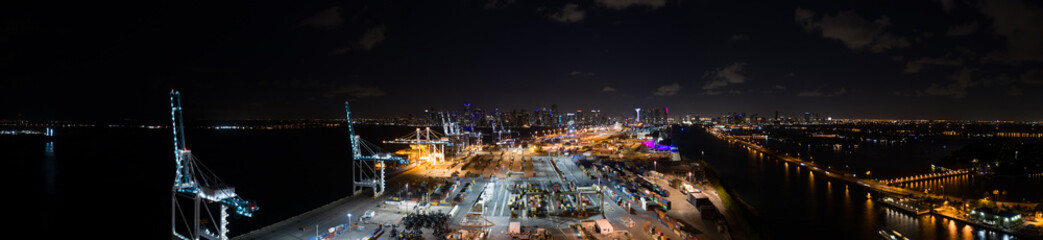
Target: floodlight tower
{"points": [[201, 188], [368, 169]]}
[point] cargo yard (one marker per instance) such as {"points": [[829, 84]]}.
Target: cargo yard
{"points": [[594, 183]]}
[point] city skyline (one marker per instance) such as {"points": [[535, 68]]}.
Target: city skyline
{"points": [[513, 119], [975, 60]]}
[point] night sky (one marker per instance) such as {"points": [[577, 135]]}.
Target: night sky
{"points": [[909, 59]]}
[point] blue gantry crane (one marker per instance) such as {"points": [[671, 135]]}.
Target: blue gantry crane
{"points": [[196, 190], [367, 161]]}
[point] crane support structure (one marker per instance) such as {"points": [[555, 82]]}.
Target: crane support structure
{"points": [[500, 140], [449, 128], [367, 161], [430, 145], [196, 190], [461, 139]]}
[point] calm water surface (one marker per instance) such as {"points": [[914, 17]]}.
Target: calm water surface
{"points": [[116, 182], [790, 202]]}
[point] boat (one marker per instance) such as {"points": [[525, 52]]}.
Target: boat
{"points": [[891, 235], [903, 205], [884, 234]]}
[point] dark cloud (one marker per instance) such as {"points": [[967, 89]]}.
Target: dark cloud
{"points": [[732, 74], [1014, 91], [962, 30], [580, 73], [947, 5], [501, 53], [498, 4], [1021, 24], [325, 19], [1016, 25], [354, 91], [854, 31], [372, 37], [957, 89], [569, 14], [1034, 76], [887, 41], [667, 90], [813, 93], [709, 92], [339, 51], [819, 93], [915, 66], [621, 4]]}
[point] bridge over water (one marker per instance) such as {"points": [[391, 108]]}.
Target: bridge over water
{"points": [[927, 176]]}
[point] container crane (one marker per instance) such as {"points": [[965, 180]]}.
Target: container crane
{"points": [[367, 161], [196, 190], [430, 144]]}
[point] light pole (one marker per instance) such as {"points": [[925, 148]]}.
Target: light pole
{"points": [[601, 190], [349, 221]]}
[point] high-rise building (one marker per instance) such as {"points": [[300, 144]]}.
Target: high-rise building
{"points": [[596, 116], [666, 115], [655, 114]]}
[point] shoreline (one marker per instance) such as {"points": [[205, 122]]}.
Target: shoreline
{"points": [[872, 185], [746, 215]]}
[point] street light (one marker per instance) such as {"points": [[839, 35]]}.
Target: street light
{"points": [[349, 221]]}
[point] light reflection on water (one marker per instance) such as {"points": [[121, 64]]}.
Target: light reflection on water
{"points": [[974, 186], [49, 168], [829, 196], [791, 204], [811, 183]]}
